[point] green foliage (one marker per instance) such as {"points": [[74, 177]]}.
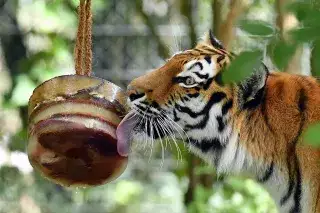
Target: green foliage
{"points": [[312, 135], [258, 28], [315, 62], [281, 52], [309, 17], [241, 67], [235, 195], [200, 203], [306, 13], [305, 34]]}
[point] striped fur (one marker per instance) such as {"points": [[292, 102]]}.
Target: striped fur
{"points": [[253, 127]]}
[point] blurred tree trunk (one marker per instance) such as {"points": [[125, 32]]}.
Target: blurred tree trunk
{"points": [[286, 22], [216, 7], [224, 28], [227, 30], [187, 9], [162, 47], [14, 51]]}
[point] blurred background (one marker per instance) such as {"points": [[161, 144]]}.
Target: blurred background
{"points": [[129, 38]]}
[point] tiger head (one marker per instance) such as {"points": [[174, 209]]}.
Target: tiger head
{"points": [[187, 99]]}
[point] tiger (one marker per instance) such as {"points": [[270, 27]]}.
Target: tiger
{"points": [[254, 126]]}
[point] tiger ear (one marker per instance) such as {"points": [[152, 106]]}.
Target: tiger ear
{"points": [[210, 39], [252, 89]]}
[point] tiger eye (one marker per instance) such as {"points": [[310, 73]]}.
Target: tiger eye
{"points": [[72, 130], [190, 81]]}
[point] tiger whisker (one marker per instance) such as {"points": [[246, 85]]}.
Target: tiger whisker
{"points": [[151, 136], [145, 124], [174, 140], [162, 148], [137, 113], [168, 127], [165, 130], [176, 124]]}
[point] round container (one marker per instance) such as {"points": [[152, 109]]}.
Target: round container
{"points": [[72, 130]]}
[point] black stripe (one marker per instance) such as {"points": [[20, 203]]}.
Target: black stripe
{"points": [[201, 125], [208, 59], [220, 58], [297, 194], [186, 110], [207, 84], [221, 124], [146, 110], [197, 49], [215, 98], [178, 80], [186, 98], [302, 103], [206, 145], [257, 99], [265, 114], [155, 105], [286, 197], [135, 96], [175, 117], [206, 76], [226, 107], [216, 51], [155, 129], [195, 95], [196, 64], [268, 173], [218, 79]]}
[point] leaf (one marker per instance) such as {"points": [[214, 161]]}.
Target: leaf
{"points": [[305, 34], [241, 67], [300, 9], [281, 52], [312, 135], [254, 27], [307, 14], [309, 17]]}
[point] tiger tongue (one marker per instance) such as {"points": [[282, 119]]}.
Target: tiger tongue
{"points": [[123, 132]]}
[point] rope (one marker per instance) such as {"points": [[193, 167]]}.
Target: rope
{"points": [[83, 46]]}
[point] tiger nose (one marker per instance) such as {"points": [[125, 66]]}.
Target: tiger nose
{"points": [[135, 93]]}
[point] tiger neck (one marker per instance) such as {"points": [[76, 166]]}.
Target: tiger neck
{"points": [[231, 154]]}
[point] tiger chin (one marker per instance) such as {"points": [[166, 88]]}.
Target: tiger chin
{"points": [[255, 126]]}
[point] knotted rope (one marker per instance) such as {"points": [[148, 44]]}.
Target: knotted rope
{"points": [[83, 46]]}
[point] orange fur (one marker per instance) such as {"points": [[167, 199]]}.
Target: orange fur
{"points": [[272, 138]]}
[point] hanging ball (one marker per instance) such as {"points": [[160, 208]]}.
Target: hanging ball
{"points": [[72, 130]]}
